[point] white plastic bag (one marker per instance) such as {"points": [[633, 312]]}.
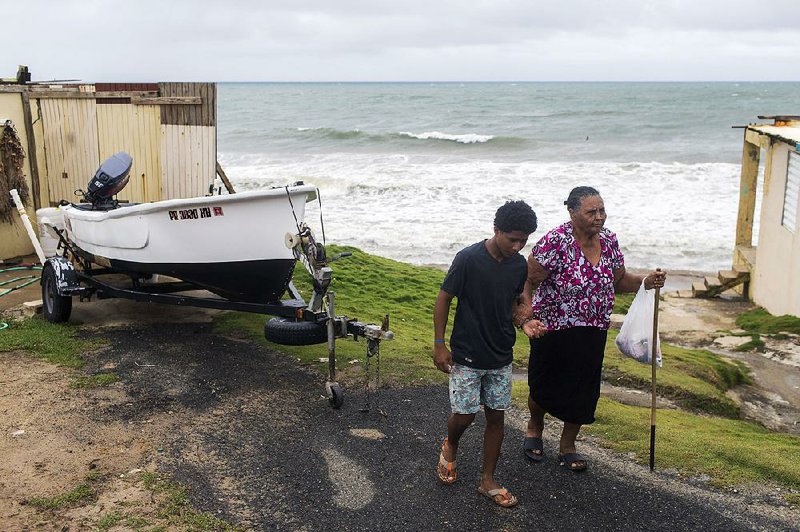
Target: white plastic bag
{"points": [[636, 335]]}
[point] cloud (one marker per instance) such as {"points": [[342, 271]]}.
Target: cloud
{"points": [[410, 40]]}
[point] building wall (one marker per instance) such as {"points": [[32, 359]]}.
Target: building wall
{"points": [[776, 281], [182, 177], [70, 145], [135, 130], [14, 241]]}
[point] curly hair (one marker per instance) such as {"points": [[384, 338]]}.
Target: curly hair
{"points": [[577, 194], [515, 216]]}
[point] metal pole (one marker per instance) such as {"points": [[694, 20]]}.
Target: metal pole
{"points": [[331, 337], [653, 353]]}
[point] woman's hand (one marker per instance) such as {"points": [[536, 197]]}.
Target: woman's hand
{"points": [[655, 279], [534, 328]]}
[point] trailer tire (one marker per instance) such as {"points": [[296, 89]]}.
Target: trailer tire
{"points": [[289, 332], [55, 307]]}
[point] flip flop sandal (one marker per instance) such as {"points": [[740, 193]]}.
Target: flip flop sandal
{"points": [[507, 500], [574, 461], [446, 470], [529, 445]]}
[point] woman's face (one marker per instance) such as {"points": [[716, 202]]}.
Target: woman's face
{"points": [[590, 215]]}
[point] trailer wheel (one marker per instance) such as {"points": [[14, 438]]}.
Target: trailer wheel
{"points": [[288, 332], [55, 307]]}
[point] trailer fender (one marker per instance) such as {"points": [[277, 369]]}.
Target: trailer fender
{"points": [[66, 277]]}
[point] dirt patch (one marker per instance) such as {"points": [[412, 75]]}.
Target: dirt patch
{"points": [[52, 441]]}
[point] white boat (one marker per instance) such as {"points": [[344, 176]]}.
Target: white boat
{"points": [[233, 245], [242, 247]]}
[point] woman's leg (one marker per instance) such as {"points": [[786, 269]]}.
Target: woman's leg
{"points": [[536, 421], [568, 436], [567, 445], [532, 445]]}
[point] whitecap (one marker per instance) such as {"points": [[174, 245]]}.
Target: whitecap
{"points": [[467, 138]]}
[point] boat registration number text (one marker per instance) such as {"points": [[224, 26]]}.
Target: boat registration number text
{"points": [[195, 214]]}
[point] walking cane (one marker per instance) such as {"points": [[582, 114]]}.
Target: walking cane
{"points": [[653, 353]]}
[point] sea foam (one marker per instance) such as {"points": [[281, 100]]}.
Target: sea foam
{"points": [[422, 209]]}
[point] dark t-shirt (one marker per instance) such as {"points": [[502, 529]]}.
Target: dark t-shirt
{"points": [[483, 334]]}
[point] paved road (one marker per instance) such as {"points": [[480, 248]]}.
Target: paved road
{"points": [[259, 448]]}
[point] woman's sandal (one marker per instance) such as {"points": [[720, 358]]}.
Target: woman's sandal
{"points": [[446, 470], [574, 461], [530, 446], [500, 496]]}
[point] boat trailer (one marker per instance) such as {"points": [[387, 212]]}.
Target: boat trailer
{"points": [[295, 323]]}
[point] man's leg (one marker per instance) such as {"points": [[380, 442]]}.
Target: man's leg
{"points": [[464, 404], [492, 442], [456, 425], [496, 396]]}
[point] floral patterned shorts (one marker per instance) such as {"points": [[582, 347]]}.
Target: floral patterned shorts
{"points": [[471, 387]]}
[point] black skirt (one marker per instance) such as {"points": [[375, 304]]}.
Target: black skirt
{"points": [[564, 372]]}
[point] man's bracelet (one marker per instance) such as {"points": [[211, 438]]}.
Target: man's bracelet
{"points": [[438, 340]]}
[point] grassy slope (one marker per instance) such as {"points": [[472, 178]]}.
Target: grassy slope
{"points": [[760, 321], [729, 451], [366, 288], [694, 378]]}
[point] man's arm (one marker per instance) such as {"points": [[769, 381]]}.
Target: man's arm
{"points": [[523, 313], [442, 357]]}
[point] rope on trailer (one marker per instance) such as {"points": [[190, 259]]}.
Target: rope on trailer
{"points": [[289, 196]]}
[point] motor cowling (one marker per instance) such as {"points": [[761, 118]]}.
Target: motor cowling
{"points": [[109, 180]]}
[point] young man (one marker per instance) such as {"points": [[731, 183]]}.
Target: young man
{"points": [[488, 279]]}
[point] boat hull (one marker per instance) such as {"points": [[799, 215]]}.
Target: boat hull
{"points": [[232, 245], [257, 281]]}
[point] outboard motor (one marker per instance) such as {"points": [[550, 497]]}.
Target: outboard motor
{"points": [[110, 178]]}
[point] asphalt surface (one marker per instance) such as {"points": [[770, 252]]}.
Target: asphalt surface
{"points": [[258, 447]]}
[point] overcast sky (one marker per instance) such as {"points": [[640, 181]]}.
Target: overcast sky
{"points": [[402, 40]]}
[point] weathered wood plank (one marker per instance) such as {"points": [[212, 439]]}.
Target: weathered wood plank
{"points": [[747, 194], [225, 180], [167, 100], [699, 289], [31, 138], [63, 95]]}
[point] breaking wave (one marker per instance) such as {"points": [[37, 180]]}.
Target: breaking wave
{"points": [[333, 134], [466, 138]]}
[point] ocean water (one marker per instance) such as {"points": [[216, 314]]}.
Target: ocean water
{"points": [[415, 171]]}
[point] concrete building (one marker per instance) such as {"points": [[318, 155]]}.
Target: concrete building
{"points": [[772, 262]]}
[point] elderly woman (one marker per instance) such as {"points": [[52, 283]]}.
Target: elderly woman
{"points": [[573, 273]]}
